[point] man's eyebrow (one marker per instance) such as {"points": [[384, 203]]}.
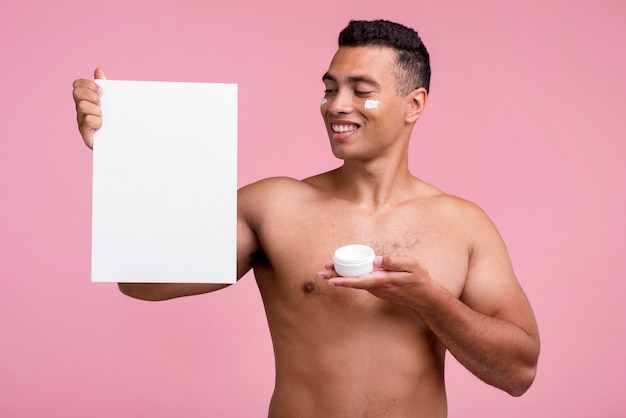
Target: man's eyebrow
{"points": [[330, 77], [352, 79], [362, 79]]}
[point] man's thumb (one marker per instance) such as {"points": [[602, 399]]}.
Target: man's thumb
{"points": [[99, 74]]}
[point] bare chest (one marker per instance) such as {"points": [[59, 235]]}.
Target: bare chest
{"points": [[299, 243]]}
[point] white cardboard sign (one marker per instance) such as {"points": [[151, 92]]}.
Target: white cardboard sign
{"points": [[165, 183]]}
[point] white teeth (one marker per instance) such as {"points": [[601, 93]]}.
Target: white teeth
{"points": [[343, 128]]}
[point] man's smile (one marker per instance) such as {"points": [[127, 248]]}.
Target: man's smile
{"points": [[344, 127]]}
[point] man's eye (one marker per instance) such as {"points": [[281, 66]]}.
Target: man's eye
{"points": [[330, 91], [362, 93]]}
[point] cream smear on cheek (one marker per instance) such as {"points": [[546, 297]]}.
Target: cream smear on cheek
{"points": [[371, 104], [368, 105]]}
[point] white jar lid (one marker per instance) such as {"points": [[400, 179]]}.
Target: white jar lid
{"points": [[354, 254]]}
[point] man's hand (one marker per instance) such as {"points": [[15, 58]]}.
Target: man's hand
{"points": [[88, 113], [396, 279]]}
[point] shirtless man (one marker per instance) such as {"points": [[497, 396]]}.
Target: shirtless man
{"points": [[373, 345]]}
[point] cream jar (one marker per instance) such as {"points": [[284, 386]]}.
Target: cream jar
{"points": [[354, 260]]}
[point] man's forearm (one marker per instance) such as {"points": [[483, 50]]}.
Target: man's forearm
{"points": [[498, 352], [164, 291]]}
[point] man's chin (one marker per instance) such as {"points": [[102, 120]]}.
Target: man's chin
{"points": [[339, 153]]}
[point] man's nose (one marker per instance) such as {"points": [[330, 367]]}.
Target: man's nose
{"points": [[340, 103]]}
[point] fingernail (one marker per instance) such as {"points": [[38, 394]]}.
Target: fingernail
{"points": [[378, 260]]}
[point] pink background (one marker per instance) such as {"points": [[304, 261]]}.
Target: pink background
{"points": [[526, 118]]}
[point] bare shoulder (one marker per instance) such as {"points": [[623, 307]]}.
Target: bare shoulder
{"points": [[477, 224], [455, 210], [274, 187], [274, 195], [465, 222], [288, 186]]}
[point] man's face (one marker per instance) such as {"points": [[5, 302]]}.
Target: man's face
{"points": [[363, 113]]}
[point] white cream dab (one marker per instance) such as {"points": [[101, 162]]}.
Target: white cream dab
{"points": [[371, 104], [323, 101]]}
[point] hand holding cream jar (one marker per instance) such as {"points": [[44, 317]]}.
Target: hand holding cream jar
{"points": [[354, 260]]}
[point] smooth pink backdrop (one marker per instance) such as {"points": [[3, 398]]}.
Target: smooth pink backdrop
{"points": [[526, 118]]}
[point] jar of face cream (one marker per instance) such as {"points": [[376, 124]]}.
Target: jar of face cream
{"points": [[354, 260]]}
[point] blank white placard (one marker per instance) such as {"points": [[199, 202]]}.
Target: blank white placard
{"points": [[165, 183]]}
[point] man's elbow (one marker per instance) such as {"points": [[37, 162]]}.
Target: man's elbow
{"points": [[524, 374], [522, 382], [525, 371]]}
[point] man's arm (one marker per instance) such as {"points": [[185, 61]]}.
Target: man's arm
{"points": [[503, 340], [491, 329], [86, 95]]}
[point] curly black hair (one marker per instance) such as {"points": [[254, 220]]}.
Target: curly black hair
{"points": [[413, 59]]}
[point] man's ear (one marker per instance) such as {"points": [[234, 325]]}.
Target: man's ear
{"points": [[416, 103]]}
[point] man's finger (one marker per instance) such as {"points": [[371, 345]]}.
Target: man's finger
{"points": [[86, 94], [393, 263], [98, 74]]}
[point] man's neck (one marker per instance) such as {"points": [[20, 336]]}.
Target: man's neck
{"points": [[374, 184]]}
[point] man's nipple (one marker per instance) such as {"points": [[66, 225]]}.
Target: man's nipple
{"points": [[309, 287]]}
